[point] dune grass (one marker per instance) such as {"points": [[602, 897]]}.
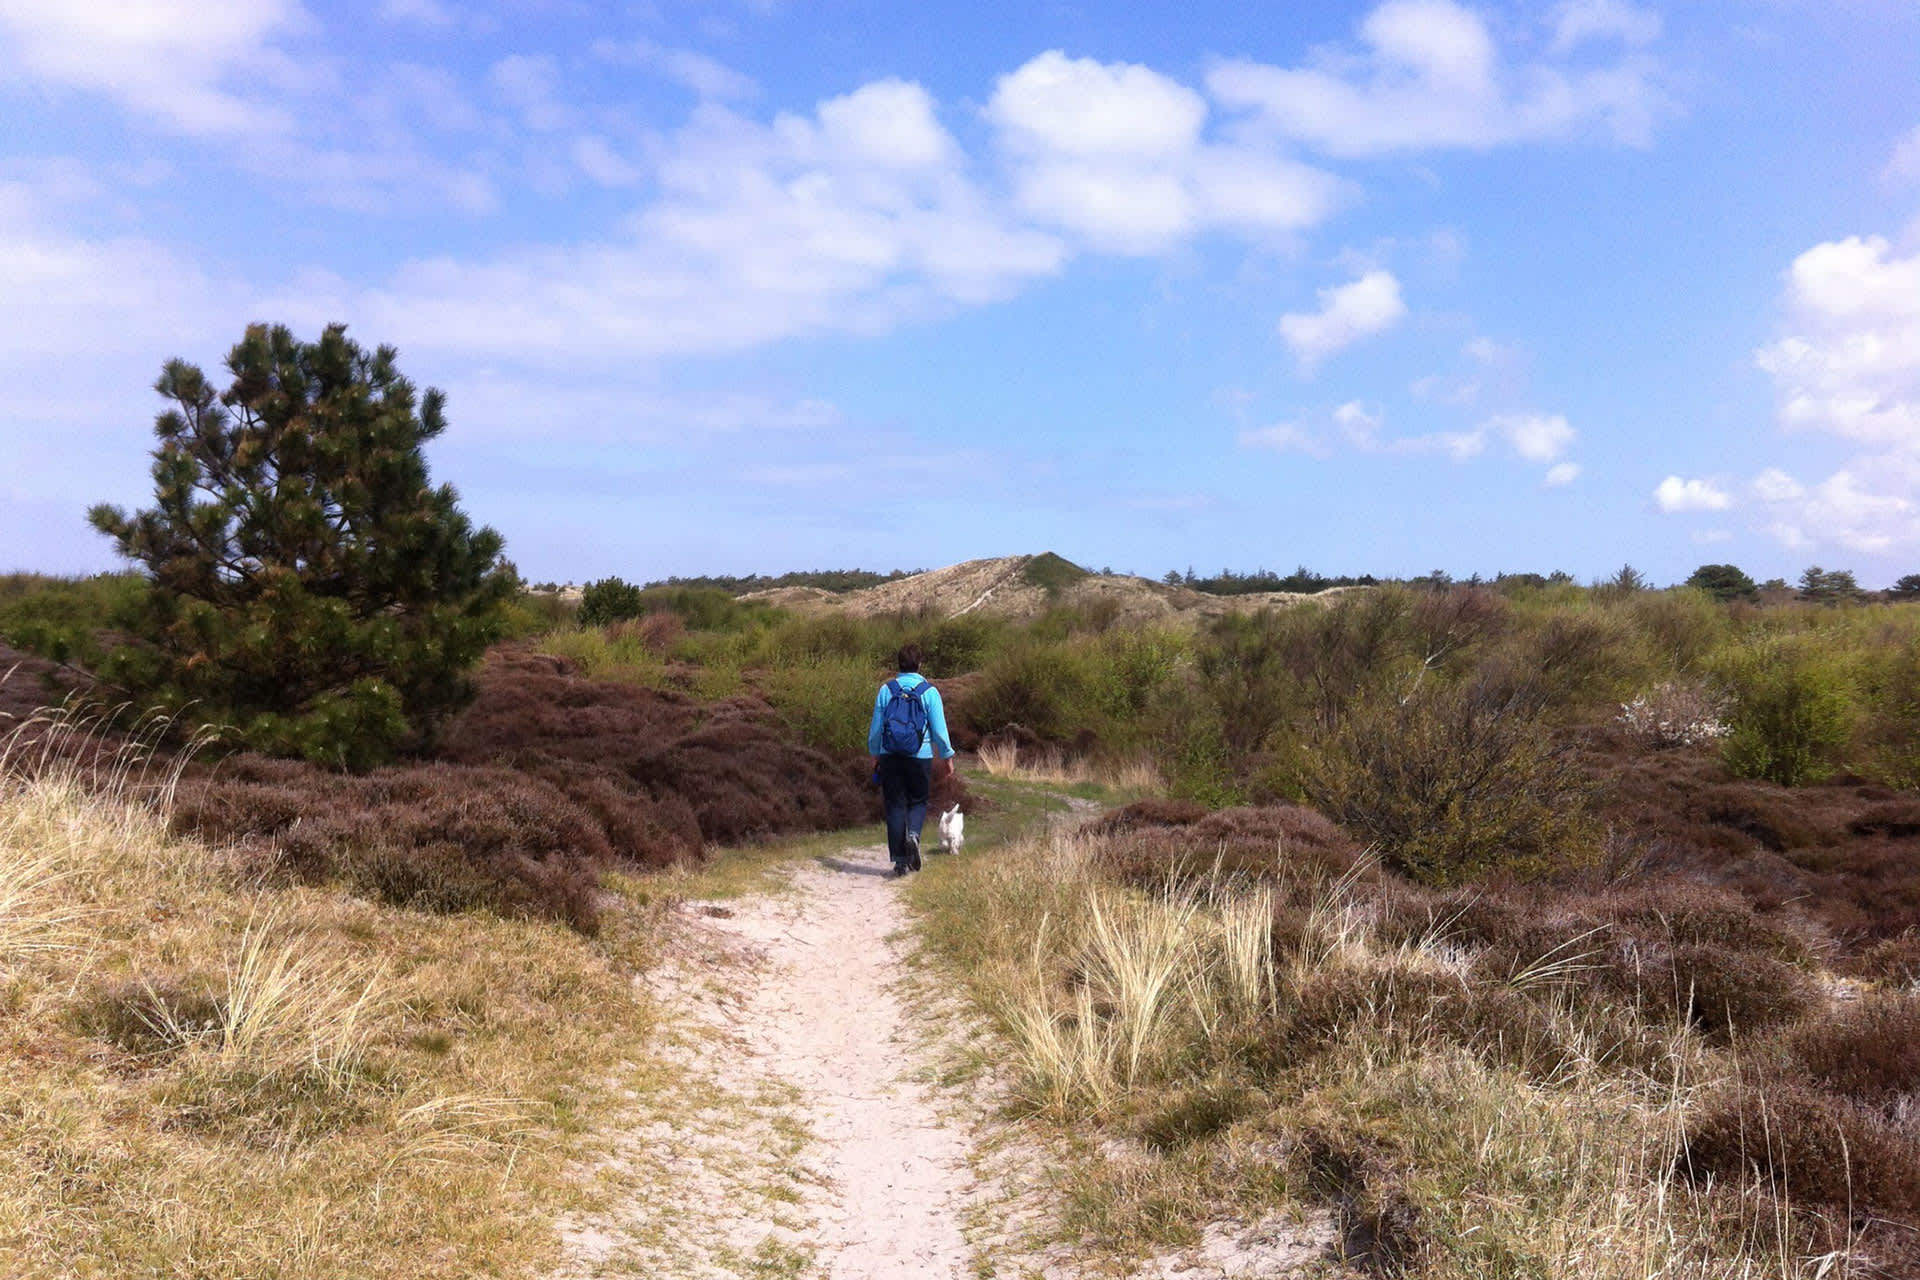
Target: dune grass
{"points": [[1175, 1055], [209, 1078]]}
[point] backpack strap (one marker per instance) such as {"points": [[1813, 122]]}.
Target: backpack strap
{"points": [[894, 689]]}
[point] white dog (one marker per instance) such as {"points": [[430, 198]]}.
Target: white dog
{"points": [[953, 830]]}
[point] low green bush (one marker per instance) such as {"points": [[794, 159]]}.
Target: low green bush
{"points": [[827, 702], [1791, 707], [59, 617], [1453, 783]]}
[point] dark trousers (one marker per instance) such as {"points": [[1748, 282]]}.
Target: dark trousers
{"points": [[905, 784]]}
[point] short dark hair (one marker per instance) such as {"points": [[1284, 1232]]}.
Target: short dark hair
{"points": [[908, 659]]}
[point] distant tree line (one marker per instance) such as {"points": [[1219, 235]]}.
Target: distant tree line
{"points": [[835, 580], [1302, 581]]}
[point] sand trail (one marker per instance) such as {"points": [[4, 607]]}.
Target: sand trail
{"points": [[796, 1136]]}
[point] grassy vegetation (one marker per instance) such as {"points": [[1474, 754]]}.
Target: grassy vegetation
{"points": [[211, 1079], [1507, 921], [1230, 1019]]}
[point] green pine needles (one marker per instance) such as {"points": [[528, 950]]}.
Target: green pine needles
{"points": [[309, 587]]}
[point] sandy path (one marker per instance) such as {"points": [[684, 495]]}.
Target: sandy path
{"points": [[786, 1136], [823, 1016], [792, 1138]]}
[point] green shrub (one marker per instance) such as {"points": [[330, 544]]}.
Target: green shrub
{"points": [[1682, 626], [608, 600], [1792, 707], [955, 646], [707, 608], [59, 617], [1453, 783], [1724, 582], [1889, 688], [828, 702], [1043, 688]]}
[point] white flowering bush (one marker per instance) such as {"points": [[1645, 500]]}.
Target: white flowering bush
{"points": [[1675, 713]]}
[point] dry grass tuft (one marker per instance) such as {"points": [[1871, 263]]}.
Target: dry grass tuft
{"points": [[213, 1078], [1003, 757]]}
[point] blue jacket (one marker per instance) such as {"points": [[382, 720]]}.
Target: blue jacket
{"points": [[936, 719]]}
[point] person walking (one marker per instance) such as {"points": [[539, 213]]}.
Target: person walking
{"points": [[907, 733]]}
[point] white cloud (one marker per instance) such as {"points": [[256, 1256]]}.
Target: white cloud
{"points": [[706, 77], [1113, 153], [1533, 437], [1537, 437], [1057, 105], [1285, 437], [1851, 364], [1348, 313], [598, 160], [1775, 485], [1578, 22], [1675, 494], [1842, 510], [192, 66], [852, 219], [1487, 351], [1432, 76], [1357, 424], [1848, 365], [1904, 164]]}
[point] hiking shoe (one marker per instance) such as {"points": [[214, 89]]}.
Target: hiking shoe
{"points": [[913, 850], [899, 869]]}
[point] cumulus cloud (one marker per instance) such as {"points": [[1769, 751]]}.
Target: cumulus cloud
{"points": [[195, 66], [1349, 312], [1675, 494], [1561, 474], [846, 220], [1844, 510], [1432, 75], [1537, 437], [1113, 153], [1848, 366]]}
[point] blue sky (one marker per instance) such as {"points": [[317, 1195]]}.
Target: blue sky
{"points": [[757, 285]]}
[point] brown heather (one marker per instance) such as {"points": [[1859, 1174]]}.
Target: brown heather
{"points": [[544, 782]]}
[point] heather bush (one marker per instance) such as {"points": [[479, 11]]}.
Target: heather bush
{"points": [[1867, 1050], [1806, 1147], [1791, 707], [436, 837]]}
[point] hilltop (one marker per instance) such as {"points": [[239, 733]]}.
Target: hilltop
{"points": [[1023, 587]]}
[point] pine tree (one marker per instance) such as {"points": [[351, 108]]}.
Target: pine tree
{"points": [[310, 588], [1724, 582]]}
